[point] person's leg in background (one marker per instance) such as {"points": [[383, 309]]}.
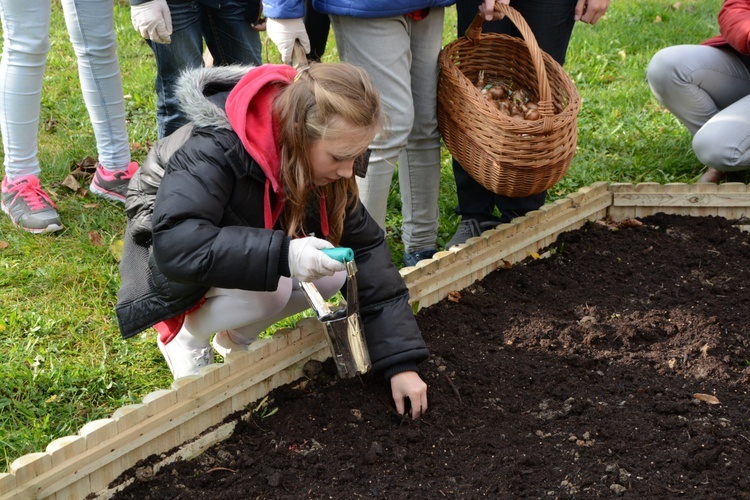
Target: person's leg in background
{"points": [[552, 23], [419, 162], [185, 51], [237, 317], [383, 47], [708, 90], [229, 36], [91, 29], [388, 64], [26, 25], [317, 26]]}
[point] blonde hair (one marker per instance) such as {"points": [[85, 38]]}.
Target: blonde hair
{"points": [[322, 98]]}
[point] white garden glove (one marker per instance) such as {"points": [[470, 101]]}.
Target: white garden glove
{"points": [[152, 20], [283, 32], [306, 261]]}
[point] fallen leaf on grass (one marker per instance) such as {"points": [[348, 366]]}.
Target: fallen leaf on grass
{"points": [[116, 249], [87, 165], [4, 244], [71, 183], [706, 398], [81, 172], [454, 297], [95, 238]]}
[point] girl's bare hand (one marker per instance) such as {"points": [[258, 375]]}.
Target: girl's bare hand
{"points": [[408, 385]]}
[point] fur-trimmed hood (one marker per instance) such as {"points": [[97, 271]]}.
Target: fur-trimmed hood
{"points": [[202, 93]]}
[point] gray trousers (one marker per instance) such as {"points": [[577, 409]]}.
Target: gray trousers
{"points": [[400, 55], [708, 90]]}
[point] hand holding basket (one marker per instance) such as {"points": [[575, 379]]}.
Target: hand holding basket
{"points": [[510, 156]]}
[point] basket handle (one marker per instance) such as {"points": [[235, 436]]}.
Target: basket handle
{"points": [[546, 107]]}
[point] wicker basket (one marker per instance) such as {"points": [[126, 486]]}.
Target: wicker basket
{"points": [[508, 156]]}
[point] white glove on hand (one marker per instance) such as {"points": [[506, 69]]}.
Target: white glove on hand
{"points": [[283, 32], [152, 20], [306, 261]]}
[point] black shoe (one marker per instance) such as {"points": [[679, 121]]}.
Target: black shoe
{"points": [[411, 259], [470, 228]]}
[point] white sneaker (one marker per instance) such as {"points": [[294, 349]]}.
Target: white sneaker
{"points": [[185, 362], [224, 345]]}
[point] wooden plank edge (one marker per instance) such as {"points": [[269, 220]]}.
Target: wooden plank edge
{"points": [[555, 209], [211, 436], [701, 195], [55, 479], [476, 265], [480, 256], [730, 200], [185, 452]]}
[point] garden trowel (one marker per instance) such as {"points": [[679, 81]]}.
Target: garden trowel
{"points": [[344, 331]]}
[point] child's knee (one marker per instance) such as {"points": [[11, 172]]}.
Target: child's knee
{"points": [[329, 285]]}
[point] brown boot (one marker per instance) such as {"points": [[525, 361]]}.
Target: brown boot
{"points": [[713, 175]]}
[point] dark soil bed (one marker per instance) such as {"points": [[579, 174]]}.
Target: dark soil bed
{"points": [[586, 374]]}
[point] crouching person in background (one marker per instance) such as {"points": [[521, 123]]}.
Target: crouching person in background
{"points": [[707, 87], [253, 188]]}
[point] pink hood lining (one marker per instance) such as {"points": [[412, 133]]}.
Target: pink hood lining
{"points": [[248, 108]]}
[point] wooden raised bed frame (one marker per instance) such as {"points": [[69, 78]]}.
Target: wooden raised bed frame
{"points": [[182, 421]]}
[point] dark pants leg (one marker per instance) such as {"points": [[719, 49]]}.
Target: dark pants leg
{"points": [[317, 26], [552, 23], [228, 35]]}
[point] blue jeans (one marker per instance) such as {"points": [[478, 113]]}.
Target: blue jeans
{"points": [[228, 35], [26, 26], [552, 23]]}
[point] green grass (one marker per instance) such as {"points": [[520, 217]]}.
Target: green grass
{"points": [[64, 363]]}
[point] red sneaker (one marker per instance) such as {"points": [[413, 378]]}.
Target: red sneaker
{"points": [[29, 206], [112, 184]]}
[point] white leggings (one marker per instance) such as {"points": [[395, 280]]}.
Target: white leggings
{"points": [[708, 90], [26, 26], [245, 314]]}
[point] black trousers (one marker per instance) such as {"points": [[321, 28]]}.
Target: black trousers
{"points": [[317, 26]]}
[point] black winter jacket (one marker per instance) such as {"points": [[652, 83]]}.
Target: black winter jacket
{"points": [[224, 244]]}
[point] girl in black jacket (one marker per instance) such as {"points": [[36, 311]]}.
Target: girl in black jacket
{"points": [[250, 196]]}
